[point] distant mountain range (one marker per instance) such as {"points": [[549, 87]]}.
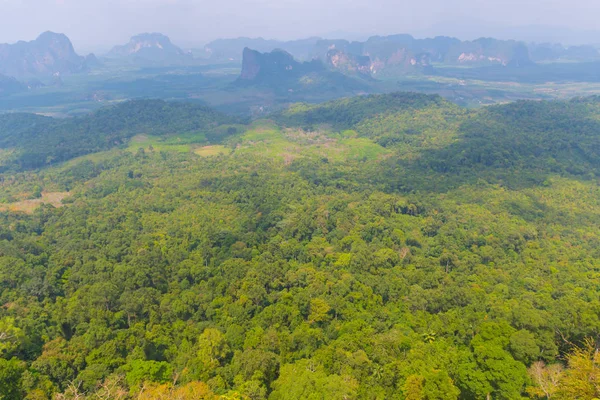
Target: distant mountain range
{"points": [[151, 49], [381, 55], [53, 55], [50, 54]]}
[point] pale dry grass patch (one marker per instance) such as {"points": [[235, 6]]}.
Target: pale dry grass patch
{"points": [[28, 206]]}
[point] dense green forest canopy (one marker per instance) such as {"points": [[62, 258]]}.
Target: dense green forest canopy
{"points": [[381, 247]]}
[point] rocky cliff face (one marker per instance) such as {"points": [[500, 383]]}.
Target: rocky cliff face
{"points": [[280, 72], [486, 51], [50, 54], [349, 64], [276, 65], [381, 55], [404, 54], [151, 48]]}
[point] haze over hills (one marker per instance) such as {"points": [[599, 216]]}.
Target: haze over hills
{"points": [[555, 52], [403, 52], [441, 49], [530, 33], [400, 54], [9, 85], [232, 49], [53, 54], [151, 49], [150, 65], [390, 55]]}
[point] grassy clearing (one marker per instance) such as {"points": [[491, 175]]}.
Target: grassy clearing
{"points": [[182, 143], [93, 157], [263, 132], [29, 206], [266, 139], [157, 143], [208, 151], [362, 149], [263, 138]]}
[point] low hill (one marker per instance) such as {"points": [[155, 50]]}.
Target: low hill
{"points": [[551, 137], [35, 141], [347, 113], [515, 144]]}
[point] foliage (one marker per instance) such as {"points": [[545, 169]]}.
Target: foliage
{"points": [[581, 379], [345, 113], [11, 373], [321, 275]]}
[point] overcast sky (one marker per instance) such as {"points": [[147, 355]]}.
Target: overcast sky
{"points": [[99, 24]]}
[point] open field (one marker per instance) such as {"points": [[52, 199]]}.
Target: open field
{"points": [[147, 142], [29, 206], [207, 151], [265, 139]]}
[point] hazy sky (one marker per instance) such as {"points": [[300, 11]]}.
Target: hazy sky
{"points": [[99, 24]]}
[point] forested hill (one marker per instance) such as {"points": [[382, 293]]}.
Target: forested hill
{"points": [[520, 142], [381, 247], [515, 144], [34, 141], [346, 113], [541, 136]]}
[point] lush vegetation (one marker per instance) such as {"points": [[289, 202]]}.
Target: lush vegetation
{"points": [[381, 247]]}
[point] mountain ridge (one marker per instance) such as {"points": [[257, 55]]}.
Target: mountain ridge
{"points": [[149, 49], [50, 54], [385, 55]]}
